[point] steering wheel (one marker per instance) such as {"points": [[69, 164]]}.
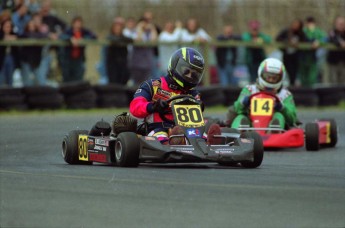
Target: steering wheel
{"points": [[162, 115]]}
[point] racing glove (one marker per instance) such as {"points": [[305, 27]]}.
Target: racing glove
{"points": [[278, 106], [160, 106]]}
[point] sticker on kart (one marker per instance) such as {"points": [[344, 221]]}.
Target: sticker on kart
{"points": [[83, 147], [261, 106], [189, 115]]}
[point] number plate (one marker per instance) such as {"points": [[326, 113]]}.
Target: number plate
{"points": [[261, 107], [83, 148], [188, 115]]}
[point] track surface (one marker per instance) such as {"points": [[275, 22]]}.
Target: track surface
{"points": [[292, 188]]}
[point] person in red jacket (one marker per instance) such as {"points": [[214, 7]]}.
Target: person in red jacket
{"points": [[185, 72]]}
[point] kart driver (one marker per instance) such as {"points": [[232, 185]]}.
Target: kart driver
{"points": [[185, 72], [271, 74]]}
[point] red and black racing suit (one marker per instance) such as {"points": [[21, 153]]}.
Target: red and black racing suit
{"points": [[149, 92]]}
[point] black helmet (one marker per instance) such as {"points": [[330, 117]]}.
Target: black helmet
{"points": [[186, 67]]}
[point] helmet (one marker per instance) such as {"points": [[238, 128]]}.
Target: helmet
{"points": [[271, 74], [186, 67]]}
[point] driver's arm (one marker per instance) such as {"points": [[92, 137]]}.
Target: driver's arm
{"points": [[238, 105], [141, 105], [289, 111]]}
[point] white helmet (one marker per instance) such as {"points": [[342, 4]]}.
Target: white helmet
{"points": [[271, 74]]}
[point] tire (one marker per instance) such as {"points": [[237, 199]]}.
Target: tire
{"points": [[49, 101], [40, 90], [74, 87], [127, 149], [258, 150], [312, 137], [87, 95], [11, 99], [112, 100], [110, 89], [11, 91], [231, 94], [334, 133], [70, 148]]}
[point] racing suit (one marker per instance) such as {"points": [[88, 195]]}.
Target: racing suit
{"points": [[149, 92], [286, 115]]}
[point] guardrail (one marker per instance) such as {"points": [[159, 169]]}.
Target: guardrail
{"points": [[205, 46]]}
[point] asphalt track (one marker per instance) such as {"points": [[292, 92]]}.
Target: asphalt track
{"points": [[292, 188]]}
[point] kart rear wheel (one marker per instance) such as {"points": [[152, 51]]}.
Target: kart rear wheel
{"points": [[258, 150], [127, 149], [70, 148], [333, 133], [312, 137]]}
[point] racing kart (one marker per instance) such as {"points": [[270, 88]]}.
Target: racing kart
{"points": [[129, 148], [320, 133]]}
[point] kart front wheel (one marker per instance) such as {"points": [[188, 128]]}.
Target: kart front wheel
{"points": [[258, 150], [312, 137], [127, 149], [70, 147]]}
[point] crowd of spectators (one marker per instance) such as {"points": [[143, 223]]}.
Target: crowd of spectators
{"points": [[123, 63]]}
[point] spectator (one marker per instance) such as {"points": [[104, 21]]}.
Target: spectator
{"points": [[171, 33], [130, 31], [55, 24], [308, 68], [20, 18], [336, 59], [33, 7], [292, 36], [143, 57], [8, 54], [73, 65], [31, 56], [116, 53], [7, 5], [255, 55], [226, 57], [193, 32], [156, 72]]}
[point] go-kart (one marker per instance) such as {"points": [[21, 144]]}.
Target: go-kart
{"points": [[129, 148], [322, 132]]}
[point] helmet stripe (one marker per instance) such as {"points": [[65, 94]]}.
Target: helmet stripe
{"points": [[184, 53], [178, 82]]}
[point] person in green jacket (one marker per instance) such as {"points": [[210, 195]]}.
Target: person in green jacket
{"points": [[255, 55], [271, 74], [308, 68]]}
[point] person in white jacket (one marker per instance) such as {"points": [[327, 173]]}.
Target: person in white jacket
{"points": [[171, 33], [193, 32]]}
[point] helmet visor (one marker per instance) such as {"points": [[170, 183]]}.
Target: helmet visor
{"points": [[189, 74], [271, 77]]}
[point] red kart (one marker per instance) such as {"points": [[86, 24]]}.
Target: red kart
{"points": [[322, 132]]}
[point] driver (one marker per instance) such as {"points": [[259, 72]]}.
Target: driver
{"points": [[271, 74], [185, 72]]}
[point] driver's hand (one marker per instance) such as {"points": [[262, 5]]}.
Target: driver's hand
{"points": [[160, 106], [278, 106], [246, 101]]}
